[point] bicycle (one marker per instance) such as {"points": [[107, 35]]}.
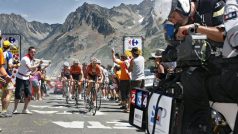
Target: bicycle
{"points": [[99, 95], [76, 88], [93, 96], [66, 91]]}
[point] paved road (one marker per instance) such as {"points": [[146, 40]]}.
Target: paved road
{"points": [[54, 116]]}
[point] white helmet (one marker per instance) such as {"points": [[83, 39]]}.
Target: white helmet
{"points": [[99, 61], [163, 8], [66, 64], [231, 14]]}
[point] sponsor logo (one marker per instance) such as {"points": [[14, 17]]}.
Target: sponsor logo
{"points": [[162, 113]]}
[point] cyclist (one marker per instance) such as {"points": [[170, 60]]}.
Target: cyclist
{"points": [[77, 74], [93, 73], [65, 75]]}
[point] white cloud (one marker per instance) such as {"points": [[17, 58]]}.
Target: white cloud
{"points": [[25, 15]]}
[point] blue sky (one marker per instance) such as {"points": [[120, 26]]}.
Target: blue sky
{"points": [[52, 11]]}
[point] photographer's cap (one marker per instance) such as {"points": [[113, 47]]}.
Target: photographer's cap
{"points": [[158, 53]]}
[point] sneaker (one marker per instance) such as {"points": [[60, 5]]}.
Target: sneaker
{"points": [[26, 111], [0, 130], [14, 112], [126, 111], [123, 107]]}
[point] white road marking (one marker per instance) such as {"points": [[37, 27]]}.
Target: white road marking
{"points": [[38, 106], [44, 112], [65, 112], [121, 125], [46, 106], [99, 113], [73, 124], [96, 124]]}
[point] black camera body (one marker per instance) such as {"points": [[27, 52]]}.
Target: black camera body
{"points": [[194, 50]]}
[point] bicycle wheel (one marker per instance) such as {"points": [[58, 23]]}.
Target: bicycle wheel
{"points": [[99, 99], [67, 92], [93, 107], [76, 88]]}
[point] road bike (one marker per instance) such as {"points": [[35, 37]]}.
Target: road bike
{"points": [[92, 106]]}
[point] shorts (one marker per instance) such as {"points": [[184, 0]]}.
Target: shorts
{"points": [[22, 85], [76, 76], [124, 87], [35, 83], [137, 84], [93, 77]]}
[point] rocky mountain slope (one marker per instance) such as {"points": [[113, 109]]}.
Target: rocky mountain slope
{"points": [[89, 31]]}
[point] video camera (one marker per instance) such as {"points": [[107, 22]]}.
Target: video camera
{"points": [[194, 50]]}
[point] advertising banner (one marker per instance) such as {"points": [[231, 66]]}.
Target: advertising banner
{"points": [[130, 42], [138, 108], [163, 117]]}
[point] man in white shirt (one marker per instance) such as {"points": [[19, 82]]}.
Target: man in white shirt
{"points": [[137, 67], [22, 79]]}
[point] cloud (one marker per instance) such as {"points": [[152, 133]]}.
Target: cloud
{"points": [[25, 15]]}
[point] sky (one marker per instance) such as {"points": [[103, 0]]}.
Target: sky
{"points": [[52, 11]]}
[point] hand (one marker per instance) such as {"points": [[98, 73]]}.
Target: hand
{"points": [[183, 31], [8, 79], [41, 61], [113, 51]]}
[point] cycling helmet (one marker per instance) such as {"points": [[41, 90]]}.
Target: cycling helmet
{"points": [[66, 64], [163, 8], [99, 62], [93, 60], [76, 62]]}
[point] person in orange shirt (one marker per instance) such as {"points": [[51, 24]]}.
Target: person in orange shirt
{"points": [[124, 81]]}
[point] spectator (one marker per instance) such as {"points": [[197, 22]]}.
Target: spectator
{"points": [[35, 83], [8, 90], [22, 79], [136, 68], [124, 81], [3, 72], [159, 67]]}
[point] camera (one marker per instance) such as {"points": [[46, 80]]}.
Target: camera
{"points": [[194, 50]]}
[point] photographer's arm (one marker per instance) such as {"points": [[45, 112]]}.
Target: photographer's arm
{"points": [[213, 33]]}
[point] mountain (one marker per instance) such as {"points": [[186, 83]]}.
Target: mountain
{"points": [[32, 33], [89, 31]]}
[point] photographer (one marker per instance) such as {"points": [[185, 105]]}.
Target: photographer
{"points": [[159, 67], [205, 17]]}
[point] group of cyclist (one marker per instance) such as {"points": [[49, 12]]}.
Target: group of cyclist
{"points": [[90, 75], [79, 74]]}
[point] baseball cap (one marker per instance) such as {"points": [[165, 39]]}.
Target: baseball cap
{"points": [[158, 53]]}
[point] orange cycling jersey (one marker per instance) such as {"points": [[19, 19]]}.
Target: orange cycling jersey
{"points": [[75, 69], [93, 71]]}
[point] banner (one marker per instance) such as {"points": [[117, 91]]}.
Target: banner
{"points": [[130, 42], [137, 116], [163, 117]]}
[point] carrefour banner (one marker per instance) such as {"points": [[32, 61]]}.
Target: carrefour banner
{"points": [[159, 116], [132, 41]]}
